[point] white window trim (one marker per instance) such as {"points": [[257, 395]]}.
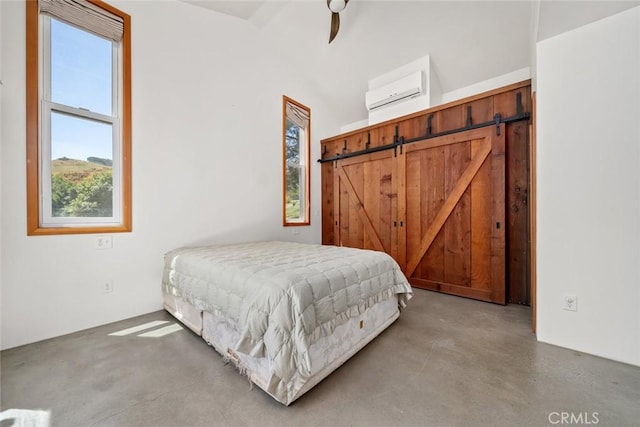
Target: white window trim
{"points": [[48, 107]]}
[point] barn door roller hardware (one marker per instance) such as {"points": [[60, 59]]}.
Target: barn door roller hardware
{"points": [[399, 141], [518, 103], [395, 141]]}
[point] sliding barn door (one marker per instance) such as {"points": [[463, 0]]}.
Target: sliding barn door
{"points": [[365, 208], [454, 228]]}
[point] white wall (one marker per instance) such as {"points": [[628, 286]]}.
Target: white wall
{"points": [[487, 85], [589, 187], [207, 105]]}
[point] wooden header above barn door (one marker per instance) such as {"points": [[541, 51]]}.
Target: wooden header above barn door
{"points": [[448, 117], [399, 140]]}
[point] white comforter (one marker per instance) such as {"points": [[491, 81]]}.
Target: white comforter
{"points": [[281, 297]]}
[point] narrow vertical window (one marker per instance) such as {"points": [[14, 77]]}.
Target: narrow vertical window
{"points": [[78, 117], [296, 139]]}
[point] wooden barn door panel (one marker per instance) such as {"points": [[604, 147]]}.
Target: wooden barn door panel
{"points": [[367, 202], [454, 228], [517, 213]]}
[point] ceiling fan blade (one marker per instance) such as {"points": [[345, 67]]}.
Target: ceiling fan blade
{"points": [[335, 26]]}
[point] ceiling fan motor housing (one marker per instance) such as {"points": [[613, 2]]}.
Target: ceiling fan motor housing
{"points": [[337, 5]]}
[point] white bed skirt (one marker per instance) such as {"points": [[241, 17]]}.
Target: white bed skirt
{"points": [[190, 316], [327, 353]]}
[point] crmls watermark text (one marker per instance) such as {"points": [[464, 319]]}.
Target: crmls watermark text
{"points": [[568, 418]]}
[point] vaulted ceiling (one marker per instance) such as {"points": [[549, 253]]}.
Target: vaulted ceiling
{"points": [[468, 41]]}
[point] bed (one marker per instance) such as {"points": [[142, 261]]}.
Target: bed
{"points": [[286, 314]]}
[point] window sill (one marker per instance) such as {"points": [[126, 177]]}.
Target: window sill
{"points": [[48, 231]]}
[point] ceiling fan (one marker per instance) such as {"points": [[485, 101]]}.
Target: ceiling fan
{"points": [[335, 6]]}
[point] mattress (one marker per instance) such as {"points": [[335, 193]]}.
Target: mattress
{"points": [[327, 354], [286, 314]]}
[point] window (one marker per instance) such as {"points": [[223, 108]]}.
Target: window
{"points": [[296, 126], [78, 117]]}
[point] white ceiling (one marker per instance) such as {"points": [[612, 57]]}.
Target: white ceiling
{"points": [[557, 17], [239, 9], [468, 41], [258, 12]]}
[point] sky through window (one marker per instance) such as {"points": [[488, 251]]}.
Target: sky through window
{"points": [[81, 77]]}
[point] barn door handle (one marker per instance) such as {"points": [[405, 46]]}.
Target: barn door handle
{"points": [[498, 225], [395, 223]]}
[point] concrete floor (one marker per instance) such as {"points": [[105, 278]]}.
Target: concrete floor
{"points": [[447, 361]]}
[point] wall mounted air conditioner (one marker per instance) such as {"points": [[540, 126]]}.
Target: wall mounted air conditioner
{"points": [[406, 87]]}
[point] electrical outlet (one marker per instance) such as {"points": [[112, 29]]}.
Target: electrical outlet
{"points": [[104, 242], [107, 287], [570, 302]]}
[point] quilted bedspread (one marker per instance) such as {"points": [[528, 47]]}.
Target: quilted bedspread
{"points": [[280, 296]]}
